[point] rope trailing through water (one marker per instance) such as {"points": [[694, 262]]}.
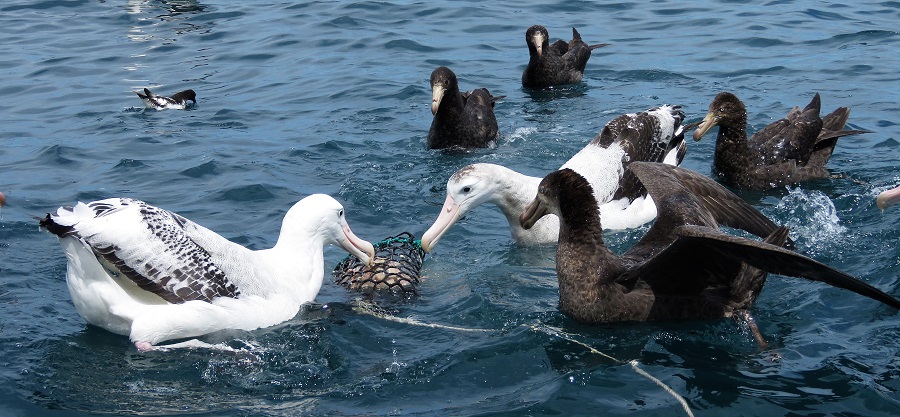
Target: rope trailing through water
{"points": [[369, 307], [668, 389], [634, 363], [372, 309]]}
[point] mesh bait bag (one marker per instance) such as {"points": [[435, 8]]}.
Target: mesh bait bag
{"points": [[398, 260]]}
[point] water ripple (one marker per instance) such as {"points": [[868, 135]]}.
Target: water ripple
{"points": [[303, 97]]}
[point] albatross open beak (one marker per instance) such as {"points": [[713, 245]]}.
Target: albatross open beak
{"points": [[532, 214], [362, 249], [708, 122], [437, 93], [449, 215]]}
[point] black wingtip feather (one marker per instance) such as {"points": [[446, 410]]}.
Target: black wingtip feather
{"points": [[52, 226]]}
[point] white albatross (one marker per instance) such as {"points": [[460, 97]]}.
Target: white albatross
{"points": [[141, 271], [655, 135]]}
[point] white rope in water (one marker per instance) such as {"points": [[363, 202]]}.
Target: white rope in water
{"points": [[684, 404], [634, 363], [368, 307], [562, 335]]}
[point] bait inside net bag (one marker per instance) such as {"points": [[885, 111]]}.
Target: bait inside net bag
{"points": [[398, 261]]}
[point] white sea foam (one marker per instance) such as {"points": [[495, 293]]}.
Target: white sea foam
{"points": [[521, 133], [812, 218]]}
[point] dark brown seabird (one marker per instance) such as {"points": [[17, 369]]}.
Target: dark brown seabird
{"points": [[461, 120], [557, 64], [790, 150], [684, 267]]}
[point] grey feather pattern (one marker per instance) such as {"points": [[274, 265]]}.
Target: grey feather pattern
{"points": [[184, 271]]}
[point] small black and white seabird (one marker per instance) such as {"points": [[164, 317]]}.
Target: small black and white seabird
{"points": [[179, 101]]}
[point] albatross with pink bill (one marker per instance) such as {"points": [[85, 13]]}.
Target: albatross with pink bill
{"points": [[142, 271]]}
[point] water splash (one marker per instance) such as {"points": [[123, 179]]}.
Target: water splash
{"points": [[811, 217], [396, 365], [521, 133]]}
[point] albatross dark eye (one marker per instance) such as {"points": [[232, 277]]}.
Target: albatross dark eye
{"points": [[341, 213], [467, 189]]}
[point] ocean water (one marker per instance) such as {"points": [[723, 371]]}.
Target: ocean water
{"points": [[332, 97]]}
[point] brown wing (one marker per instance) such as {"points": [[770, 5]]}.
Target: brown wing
{"points": [[717, 202], [702, 257], [792, 137], [777, 260]]}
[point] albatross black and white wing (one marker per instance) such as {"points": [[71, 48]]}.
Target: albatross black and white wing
{"points": [[154, 248]]}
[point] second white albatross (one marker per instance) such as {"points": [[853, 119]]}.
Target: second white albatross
{"points": [[654, 135]]}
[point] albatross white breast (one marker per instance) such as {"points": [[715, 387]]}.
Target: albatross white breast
{"points": [[655, 135], [138, 270]]}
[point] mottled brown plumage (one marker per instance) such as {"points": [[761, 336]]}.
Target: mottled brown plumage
{"points": [[790, 150], [684, 267]]}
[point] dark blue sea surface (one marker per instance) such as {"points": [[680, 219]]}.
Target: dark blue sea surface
{"points": [[296, 98]]}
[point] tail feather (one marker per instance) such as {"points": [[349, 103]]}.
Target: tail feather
{"points": [[146, 96], [814, 104], [575, 35], [832, 129], [54, 227], [834, 134], [836, 119], [833, 125], [63, 222]]}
